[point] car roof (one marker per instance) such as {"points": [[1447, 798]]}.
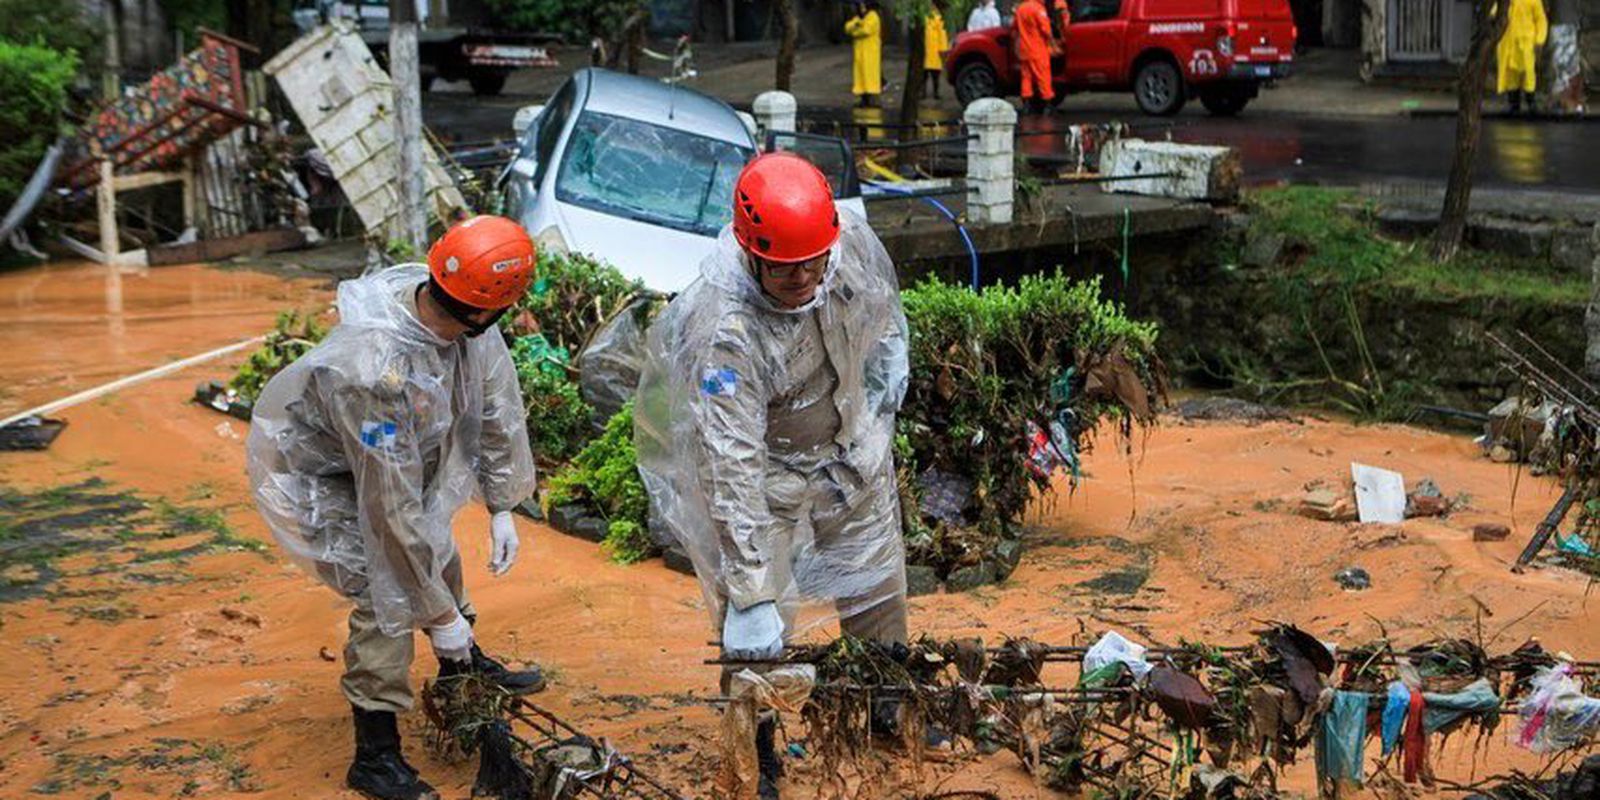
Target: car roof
{"points": [[650, 100]]}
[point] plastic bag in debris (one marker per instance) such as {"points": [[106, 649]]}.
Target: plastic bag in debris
{"points": [[1113, 649], [1443, 709], [1557, 715], [608, 367], [783, 690], [362, 451], [765, 435]]}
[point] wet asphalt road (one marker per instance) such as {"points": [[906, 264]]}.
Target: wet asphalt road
{"points": [[1514, 153]]}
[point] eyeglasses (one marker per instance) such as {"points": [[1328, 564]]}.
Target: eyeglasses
{"points": [[778, 270]]}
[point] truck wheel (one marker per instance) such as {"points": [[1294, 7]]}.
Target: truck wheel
{"points": [[487, 84], [1158, 88], [1224, 102], [975, 81]]}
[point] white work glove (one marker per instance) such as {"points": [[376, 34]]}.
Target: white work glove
{"points": [[503, 539], [754, 634], [452, 641]]}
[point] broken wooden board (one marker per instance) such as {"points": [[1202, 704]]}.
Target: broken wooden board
{"points": [[218, 249], [347, 105]]}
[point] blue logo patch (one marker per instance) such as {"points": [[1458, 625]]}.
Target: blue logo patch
{"points": [[719, 381], [378, 435]]}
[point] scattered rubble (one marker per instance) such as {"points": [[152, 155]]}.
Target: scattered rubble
{"points": [[1230, 409], [1490, 532], [1353, 579], [1327, 505]]}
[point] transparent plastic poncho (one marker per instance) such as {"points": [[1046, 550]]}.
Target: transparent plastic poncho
{"points": [[361, 452], [729, 385]]}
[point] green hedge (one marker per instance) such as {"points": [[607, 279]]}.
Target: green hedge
{"points": [[33, 92], [605, 478], [986, 364]]}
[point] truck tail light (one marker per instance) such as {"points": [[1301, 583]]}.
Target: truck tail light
{"points": [[1294, 32]]}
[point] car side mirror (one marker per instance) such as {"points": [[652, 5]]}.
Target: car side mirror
{"points": [[524, 119]]}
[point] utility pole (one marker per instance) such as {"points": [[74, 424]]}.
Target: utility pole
{"points": [[111, 82], [411, 218]]}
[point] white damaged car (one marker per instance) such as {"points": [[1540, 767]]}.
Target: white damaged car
{"points": [[640, 173]]}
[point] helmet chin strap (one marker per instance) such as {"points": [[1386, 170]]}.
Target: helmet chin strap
{"points": [[461, 312]]}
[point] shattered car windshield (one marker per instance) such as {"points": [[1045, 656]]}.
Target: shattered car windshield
{"points": [[650, 173]]}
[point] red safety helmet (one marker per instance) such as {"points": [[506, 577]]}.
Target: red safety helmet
{"points": [[485, 262], [783, 209]]}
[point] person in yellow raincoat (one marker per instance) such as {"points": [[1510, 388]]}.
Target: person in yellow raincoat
{"points": [[866, 30], [935, 42], [1518, 52]]}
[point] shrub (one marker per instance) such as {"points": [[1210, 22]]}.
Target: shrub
{"points": [[984, 365], [558, 418], [571, 296], [605, 477], [292, 337], [33, 82]]}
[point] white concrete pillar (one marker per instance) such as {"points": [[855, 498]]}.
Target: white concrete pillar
{"points": [[991, 169], [774, 111]]}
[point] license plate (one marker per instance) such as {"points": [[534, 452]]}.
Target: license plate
{"points": [[1263, 72]]}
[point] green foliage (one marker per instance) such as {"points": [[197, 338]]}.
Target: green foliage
{"points": [[571, 297], [577, 20], [293, 336], [190, 15], [985, 364], [59, 26], [33, 92], [1338, 274], [558, 418], [605, 477]]}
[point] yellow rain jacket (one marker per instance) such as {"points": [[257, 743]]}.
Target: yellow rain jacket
{"points": [[1518, 53], [867, 31], [935, 41]]}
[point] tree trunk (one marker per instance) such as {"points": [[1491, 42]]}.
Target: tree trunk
{"points": [[1488, 24], [411, 218], [912, 96], [784, 10]]}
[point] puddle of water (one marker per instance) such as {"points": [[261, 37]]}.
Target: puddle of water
{"points": [[68, 327]]}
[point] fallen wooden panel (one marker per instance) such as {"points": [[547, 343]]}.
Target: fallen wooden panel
{"points": [[347, 105], [1183, 171], [217, 249]]}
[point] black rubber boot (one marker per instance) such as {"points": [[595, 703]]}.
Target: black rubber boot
{"points": [[525, 681], [379, 770], [771, 767]]}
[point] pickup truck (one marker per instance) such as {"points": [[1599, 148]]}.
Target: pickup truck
{"points": [[1164, 51], [481, 56]]}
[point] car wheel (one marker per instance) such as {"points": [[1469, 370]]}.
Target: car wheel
{"points": [[1158, 88], [1224, 102], [487, 84], [975, 81]]}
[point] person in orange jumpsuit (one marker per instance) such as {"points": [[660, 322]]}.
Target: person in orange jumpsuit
{"points": [[1033, 53]]}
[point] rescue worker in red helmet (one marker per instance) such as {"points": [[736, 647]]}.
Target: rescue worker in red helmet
{"points": [[765, 423], [361, 452]]}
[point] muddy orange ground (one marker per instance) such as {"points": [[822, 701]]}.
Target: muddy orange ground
{"points": [[219, 681]]}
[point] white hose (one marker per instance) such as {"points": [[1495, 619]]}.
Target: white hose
{"points": [[131, 380]]}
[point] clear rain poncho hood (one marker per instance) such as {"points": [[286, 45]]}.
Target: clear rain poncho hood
{"points": [[361, 452], [722, 401]]}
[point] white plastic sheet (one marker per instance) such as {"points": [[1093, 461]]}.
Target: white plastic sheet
{"points": [[730, 387], [361, 452], [1380, 494]]}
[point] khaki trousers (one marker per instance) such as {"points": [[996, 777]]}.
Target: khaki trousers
{"points": [[377, 668]]}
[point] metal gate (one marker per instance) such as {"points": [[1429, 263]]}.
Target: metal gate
{"points": [[1417, 30]]}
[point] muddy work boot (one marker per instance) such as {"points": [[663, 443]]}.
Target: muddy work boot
{"points": [[526, 681], [771, 767], [379, 770]]}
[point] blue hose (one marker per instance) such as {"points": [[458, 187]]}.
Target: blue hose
{"points": [[972, 251]]}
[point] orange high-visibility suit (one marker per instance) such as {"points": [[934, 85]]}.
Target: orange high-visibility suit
{"points": [[1033, 50]]}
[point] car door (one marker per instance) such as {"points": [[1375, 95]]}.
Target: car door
{"points": [[1094, 42]]}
